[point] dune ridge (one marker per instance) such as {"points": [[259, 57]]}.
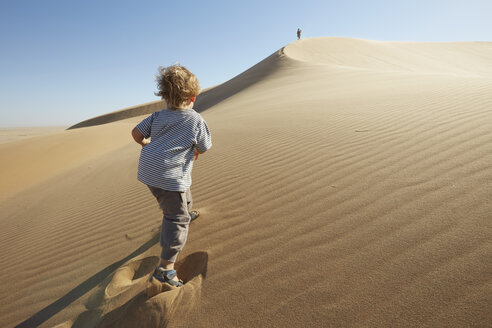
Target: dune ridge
{"points": [[337, 194], [126, 113], [147, 108], [456, 58]]}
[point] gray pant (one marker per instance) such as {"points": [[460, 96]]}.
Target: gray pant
{"points": [[175, 206]]}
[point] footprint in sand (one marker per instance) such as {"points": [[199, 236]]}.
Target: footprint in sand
{"points": [[123, 301], [129, 279]]}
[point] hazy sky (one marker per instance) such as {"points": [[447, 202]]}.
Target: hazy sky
{"points": [[65, 61]]}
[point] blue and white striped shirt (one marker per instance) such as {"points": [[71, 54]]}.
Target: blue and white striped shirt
{"points": [[166, 162]]}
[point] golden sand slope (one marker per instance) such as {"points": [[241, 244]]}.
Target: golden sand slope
{"points": [[349, 185], [12, 134]]}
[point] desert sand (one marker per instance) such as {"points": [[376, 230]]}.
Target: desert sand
{"points": [[21, 133], [349, 185]]}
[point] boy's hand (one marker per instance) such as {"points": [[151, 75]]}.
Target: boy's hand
{"points": [[145, 142], [139, 137], [196, 153]]}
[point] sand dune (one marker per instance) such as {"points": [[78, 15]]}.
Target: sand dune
{"points": [[133, 111], [13, 134], [460, 58], [349, 186], [147, 108]]}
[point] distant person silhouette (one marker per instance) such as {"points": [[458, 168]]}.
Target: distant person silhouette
{"points": [[299, 34]]}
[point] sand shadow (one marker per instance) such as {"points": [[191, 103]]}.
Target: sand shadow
{"points": [[60, 304], [244, 80], [122, 302]]}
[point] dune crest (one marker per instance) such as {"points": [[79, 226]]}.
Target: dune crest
{"points": [[455, 58], [207, 98], [147, 108]]}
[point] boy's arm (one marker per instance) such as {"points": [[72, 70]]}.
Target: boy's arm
{"points": [[203, 138], [143, 131], [139, 137]]}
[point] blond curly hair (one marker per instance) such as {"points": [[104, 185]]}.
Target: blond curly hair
{"points": [[176, 85]]}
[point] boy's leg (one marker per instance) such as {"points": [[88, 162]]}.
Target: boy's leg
{"points": [[193, 214], [189, 199], [175, 223]]}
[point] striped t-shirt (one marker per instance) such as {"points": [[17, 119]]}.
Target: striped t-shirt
{"points": [[166, 162]]}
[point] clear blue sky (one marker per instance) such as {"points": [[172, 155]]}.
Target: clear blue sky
{"points": [[65, 61]]}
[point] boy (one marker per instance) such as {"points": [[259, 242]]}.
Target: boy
{"points": [[178, 135]]}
